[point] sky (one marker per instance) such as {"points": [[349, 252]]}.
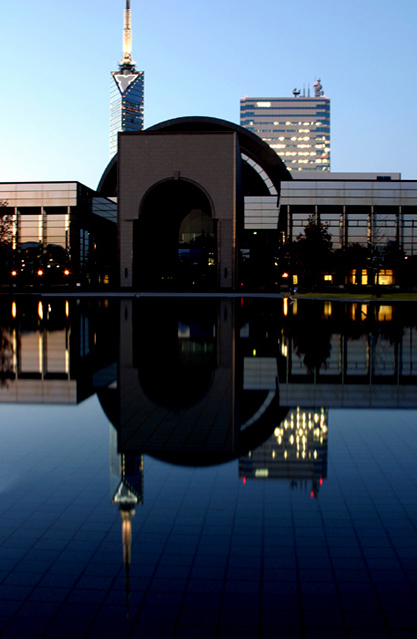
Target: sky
{"points": [[200, 58]]}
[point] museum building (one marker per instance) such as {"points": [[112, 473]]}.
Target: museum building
{"points": [[204, 204]]}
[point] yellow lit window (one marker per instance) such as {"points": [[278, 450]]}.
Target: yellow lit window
{"points": [[386, 277], [358, 278], [385, 314], [327, 309]]}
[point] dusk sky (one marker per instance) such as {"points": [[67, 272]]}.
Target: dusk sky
{"points": [[200, 58]]}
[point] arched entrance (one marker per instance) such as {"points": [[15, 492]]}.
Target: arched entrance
{"points": [[174, 239]]}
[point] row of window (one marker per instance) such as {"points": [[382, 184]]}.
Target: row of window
{"points": [[290, 105]]}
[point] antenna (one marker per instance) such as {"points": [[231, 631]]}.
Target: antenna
{"points": [[126, 61]]}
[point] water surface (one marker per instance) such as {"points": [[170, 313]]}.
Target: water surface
{"points": [[221, 468]]}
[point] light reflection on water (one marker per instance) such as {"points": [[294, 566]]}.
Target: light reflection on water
{"points": [[161, 458]]}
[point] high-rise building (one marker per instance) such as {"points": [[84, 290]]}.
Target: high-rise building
{"points": [[297, 128], [126, 93]]}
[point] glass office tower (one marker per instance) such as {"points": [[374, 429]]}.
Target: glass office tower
{"points": [[126, 92], [297, 128]]}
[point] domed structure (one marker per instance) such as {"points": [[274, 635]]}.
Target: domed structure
{"points": [[181, 186]]}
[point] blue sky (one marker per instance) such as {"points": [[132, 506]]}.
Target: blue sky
{"points": [[200, 58]]}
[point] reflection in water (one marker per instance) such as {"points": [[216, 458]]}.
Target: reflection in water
{"points": [[55, 350], [297, 451], [126, 490], [200, 383]]}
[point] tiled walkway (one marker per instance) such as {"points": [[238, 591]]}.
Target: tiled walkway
{"points": [[211, 556]]}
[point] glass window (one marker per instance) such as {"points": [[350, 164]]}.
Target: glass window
{"points": [[57, 229], [30, 229]]}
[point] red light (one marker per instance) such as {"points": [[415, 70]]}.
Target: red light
{"points": [[321, 481], [312, 495], [244, 480], [40, 272]]}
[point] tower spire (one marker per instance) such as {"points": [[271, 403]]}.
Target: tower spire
{"points": [[126, 62]]}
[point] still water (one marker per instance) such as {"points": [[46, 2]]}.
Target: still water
{"points": [[208, 468]]}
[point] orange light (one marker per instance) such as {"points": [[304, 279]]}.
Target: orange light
{"points": [[285, 275], [40, 272], [13, 273], [66, 272]]}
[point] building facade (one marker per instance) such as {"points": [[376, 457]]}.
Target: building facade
{"points": [[126, 91], [297, 128], [250, 241], [60, 233], [180, 187], [371, 220]]}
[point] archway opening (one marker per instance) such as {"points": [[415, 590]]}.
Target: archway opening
{"points": [[175, 239]]}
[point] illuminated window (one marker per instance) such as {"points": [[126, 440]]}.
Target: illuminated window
{"points": [[358, 277], [386, 277], [385, 313], [327, 309]]}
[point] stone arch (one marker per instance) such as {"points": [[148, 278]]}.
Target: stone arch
{"points": [[175, 244]]}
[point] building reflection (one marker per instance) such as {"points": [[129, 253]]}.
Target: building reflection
{"points": [[55, 350], [296, 452], [349, 355], [202, 382]]}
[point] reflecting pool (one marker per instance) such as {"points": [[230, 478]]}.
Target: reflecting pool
{"points": [[177, 467]]}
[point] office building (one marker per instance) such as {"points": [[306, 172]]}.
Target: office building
{"points": [[297, 128], [126, 92]]}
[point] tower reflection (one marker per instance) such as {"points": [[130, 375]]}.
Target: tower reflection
{"points": [[203, 382]]}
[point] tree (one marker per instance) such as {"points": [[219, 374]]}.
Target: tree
{"points": [[314, 253], [6, 357], [6, 236], [353, 258], [6, 224]]}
